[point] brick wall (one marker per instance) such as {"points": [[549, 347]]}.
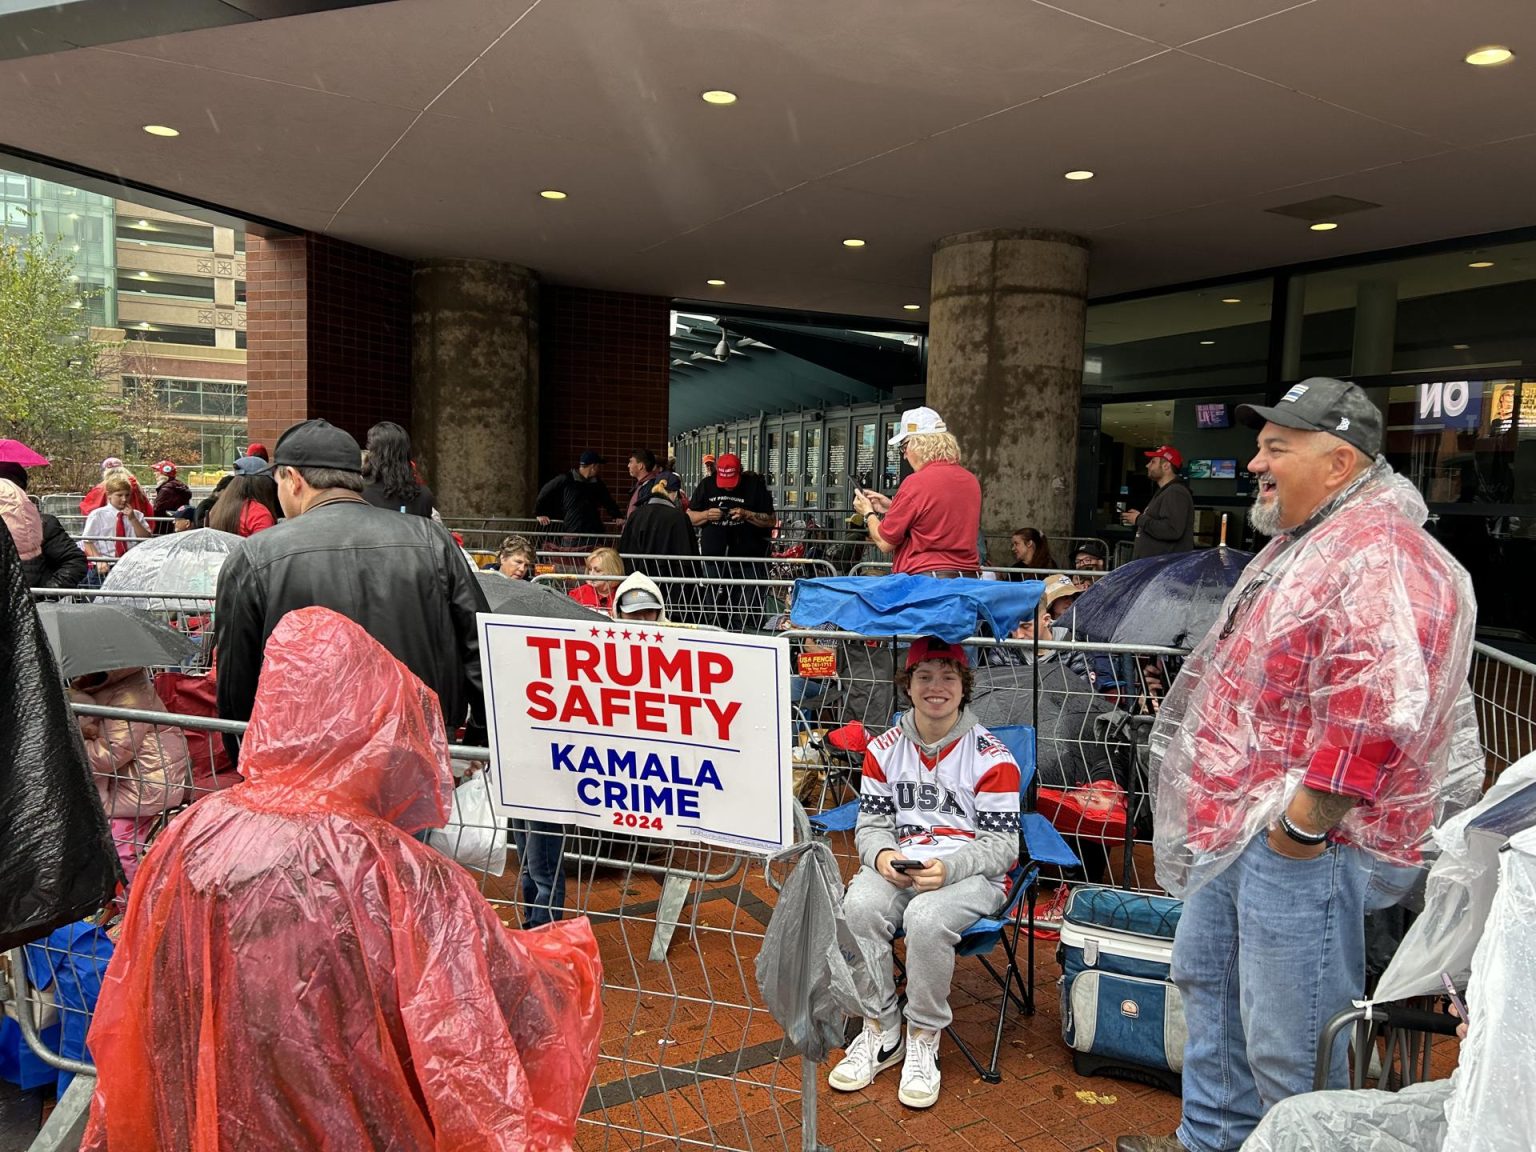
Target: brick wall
{"points": [[603, 379], [328, 333]]}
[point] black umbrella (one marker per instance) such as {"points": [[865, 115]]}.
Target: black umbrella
{"points": [[1169, 601], [100, 637], [523, 598]]}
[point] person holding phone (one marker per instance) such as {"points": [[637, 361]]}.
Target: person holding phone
{"points": [[937, 834], [931, 526]]}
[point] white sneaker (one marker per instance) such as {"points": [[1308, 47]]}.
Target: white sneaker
{"points": [[920, 1071], [871, 1053]]}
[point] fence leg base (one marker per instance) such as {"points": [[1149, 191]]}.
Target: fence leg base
{"points": [[66, 1126], [674, 894]]}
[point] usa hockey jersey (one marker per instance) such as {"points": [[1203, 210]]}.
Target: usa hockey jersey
{"points": [[940, 803]]}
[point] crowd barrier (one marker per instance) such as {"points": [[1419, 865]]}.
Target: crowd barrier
{"points": [[689, 1055], [1084, 576], [730, 603]]}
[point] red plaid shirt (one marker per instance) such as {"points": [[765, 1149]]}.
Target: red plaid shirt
{"points": [[1335, 664]]}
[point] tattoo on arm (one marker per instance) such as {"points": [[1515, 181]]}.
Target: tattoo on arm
{"points": [[1322, 810]]}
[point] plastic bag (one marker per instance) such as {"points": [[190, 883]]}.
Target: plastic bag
{"points": [[1343, 650], [472, 835], [57, 863], [296, 972], [812, 971], [1367, 1120]]}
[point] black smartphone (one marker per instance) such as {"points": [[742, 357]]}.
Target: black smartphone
{"points": [[908, 865]]}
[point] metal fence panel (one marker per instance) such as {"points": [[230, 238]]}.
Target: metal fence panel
{"points": [[1504, 687]]}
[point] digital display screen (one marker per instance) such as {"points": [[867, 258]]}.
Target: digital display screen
{"points": [[1224, 469], [1212, 416]]}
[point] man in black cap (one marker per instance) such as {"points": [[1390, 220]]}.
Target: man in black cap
{"points": [[401, 577], [1303, 757], [577, 499]]}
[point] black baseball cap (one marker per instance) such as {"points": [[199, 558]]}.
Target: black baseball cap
{"points": [[318, 444], [1323, 404], [590, 457]]}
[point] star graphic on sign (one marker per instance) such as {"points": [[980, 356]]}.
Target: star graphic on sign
{"points": [[610, 633], [595, 631], [627, 634], [640, 636], [656, 636]]}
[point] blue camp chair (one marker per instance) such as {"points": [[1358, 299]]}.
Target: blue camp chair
{"points": [[1039, 843]]}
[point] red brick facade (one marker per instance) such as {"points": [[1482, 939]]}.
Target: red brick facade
{"points": [[328, 333], [604, 363]]}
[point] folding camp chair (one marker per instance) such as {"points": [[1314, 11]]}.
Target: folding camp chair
{"points": [[1039, 843]]}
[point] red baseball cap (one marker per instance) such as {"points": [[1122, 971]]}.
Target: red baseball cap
{"points": [[165, 468], [1169, 453], [257, 450], [932, 648], [728, 470]]}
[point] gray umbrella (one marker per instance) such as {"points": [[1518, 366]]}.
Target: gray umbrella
{"points": [[100, 637], [522, 598]]}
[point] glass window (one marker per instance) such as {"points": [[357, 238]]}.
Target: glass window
{"points": [[1450, 311], [773, 458], [756, 462], [837, 454], [864, 458], [812, 457], [1209, 338], [791, 458], [892, 475]]}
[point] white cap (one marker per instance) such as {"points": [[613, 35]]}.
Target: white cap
{"points": [[917, 422]]}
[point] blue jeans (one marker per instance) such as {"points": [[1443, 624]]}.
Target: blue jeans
{"points": [[1265, 954], [541, 871]]}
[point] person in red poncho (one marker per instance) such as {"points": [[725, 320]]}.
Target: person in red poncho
{"points": [[97, 496], [296, 972]]}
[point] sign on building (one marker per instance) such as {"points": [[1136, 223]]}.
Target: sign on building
{"points": [[648, 729], [1449, 404]]}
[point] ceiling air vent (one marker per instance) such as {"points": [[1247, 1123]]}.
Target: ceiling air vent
{"points": [[1323, 208]]}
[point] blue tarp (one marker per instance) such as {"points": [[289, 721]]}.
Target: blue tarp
{"points": [[73, 961], [914, 605]]}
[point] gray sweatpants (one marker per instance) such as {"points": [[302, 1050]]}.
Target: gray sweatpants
{"points": [[875, 908]]}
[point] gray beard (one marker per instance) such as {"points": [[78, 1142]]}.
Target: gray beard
{"points": [[1265, 518]]}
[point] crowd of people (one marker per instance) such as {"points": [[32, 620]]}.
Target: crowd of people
{"points": [[1301, 758]]}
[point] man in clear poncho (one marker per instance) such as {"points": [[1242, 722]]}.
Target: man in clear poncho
{"points": [[296, 972], [1310, 743]]}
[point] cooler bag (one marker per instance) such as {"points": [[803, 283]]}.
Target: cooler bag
{"points": [[1120, 1013]]}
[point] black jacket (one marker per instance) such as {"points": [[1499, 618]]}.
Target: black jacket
{"points": [[61, 563], [420, 504], [1070, 750], [658, 528], [578, 504], [401, 577], [1167, 524]]}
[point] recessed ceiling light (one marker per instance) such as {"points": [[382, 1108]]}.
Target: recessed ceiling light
{"points": [[160, 130], [910, 307], [1231, 300], [143, 275], [142, 224], [1461, 347], [715, 283], [552, 194], [1207, 342], [1324, 226], [1489, 56], [718, 96], [852, 242], [1481, 264], [1078, 174], [143, 323]]}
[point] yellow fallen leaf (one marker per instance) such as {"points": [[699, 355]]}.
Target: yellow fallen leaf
{"points": [[1094, 1098]]}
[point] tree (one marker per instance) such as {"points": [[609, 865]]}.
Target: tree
{"points": [[50, 394], [149, 428]]}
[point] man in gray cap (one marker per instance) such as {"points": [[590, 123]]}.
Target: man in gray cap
{"points": [[1310, 744], [401, 577]]}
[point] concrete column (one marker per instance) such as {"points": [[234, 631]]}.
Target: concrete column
{"points": [[1375, 327], [1005, 367], [475, 385]]}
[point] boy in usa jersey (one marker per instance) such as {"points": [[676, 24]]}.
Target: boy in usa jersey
{"points": [[938, 832]]}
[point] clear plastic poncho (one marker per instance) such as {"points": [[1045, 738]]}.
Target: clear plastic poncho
{"points": [[1346, 642], [296, 972], [1479, 924]]}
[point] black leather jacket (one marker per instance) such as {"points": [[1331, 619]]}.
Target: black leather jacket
{"points": [[401, 577]]}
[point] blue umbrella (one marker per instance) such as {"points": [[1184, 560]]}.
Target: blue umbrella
{"points": [[1162, 600]]}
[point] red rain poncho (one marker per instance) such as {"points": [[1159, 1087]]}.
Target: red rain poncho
{"points": [[295, 972]]}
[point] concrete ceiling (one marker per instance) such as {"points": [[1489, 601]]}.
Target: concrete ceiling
{"points": [[426, 128]]}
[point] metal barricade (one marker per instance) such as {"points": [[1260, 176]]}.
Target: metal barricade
{"points": [[1081, 576], [1504, 688], [728, 603], [1092, 712], [689, 1056]]}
